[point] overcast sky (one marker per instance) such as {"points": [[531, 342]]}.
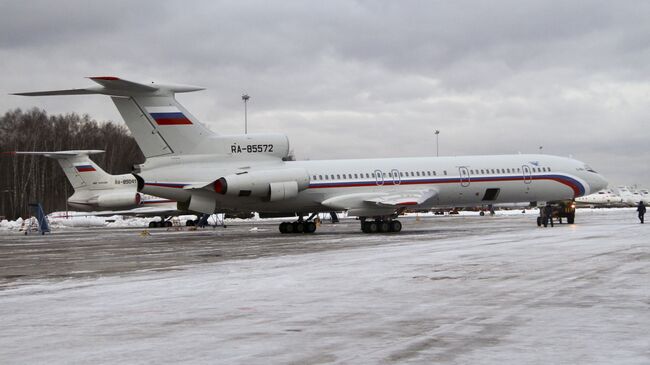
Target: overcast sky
{"points": [[362, 78]]}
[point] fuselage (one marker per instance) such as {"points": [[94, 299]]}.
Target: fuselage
{"points": [[458, 181]]}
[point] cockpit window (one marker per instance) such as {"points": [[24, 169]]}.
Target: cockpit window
{"points": [[588, 168]]}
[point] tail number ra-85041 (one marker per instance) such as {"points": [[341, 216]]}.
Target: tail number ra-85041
{"points": [[251, 148]]}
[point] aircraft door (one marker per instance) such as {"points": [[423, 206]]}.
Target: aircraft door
{"points": [[396, 178], [528, 178], [464, 176], [379, 178]]}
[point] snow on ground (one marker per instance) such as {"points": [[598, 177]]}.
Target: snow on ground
{"points": [[574, 294], [62, 220]]}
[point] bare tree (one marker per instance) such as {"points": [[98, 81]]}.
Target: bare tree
{"points": [[24, 179]]}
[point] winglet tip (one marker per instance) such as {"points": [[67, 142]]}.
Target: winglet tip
{"points": [[104, 78]]}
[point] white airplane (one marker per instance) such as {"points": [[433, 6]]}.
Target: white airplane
{"points": [[603, 198], [95, 189], [630, 196], [645, 195], [207, 172]]}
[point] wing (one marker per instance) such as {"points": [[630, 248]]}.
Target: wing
{"points": [[380, 202], [167, 210], [404, 198]]}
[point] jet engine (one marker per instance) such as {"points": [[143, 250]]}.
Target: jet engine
{"points": [[270, 185], [117, 200]]}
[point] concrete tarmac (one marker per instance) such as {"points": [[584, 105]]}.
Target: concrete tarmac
{"points": [[447, 290]]}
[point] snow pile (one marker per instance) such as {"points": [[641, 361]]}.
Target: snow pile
{"points": [[6, 225]]}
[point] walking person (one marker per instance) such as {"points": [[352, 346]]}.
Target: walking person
{"points": [[641, 210]]}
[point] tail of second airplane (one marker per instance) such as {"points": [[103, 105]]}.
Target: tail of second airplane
{"points": [[160, 125], [81, 171]]}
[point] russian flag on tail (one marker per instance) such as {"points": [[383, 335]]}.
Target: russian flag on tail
{"points": [[85, 168], [168, 115]]}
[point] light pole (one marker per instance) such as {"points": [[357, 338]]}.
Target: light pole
{"points": [[245, 98], [437, 150]]}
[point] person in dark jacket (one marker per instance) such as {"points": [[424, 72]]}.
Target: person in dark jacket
{"points": [[641, 210], [548, 215]]}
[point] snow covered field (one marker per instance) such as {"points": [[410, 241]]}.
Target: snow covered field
{"points": [[453, 290]]}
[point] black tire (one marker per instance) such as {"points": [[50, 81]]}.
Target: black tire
{"points": [[364, 227], [310, 227], [384, 226], [395, 226], [299, 227], [283, 227], [152, 224], [168, 224], [373, 227], [539, 221], [190, 223], [289, 228], [482, 213], [571, 218]]}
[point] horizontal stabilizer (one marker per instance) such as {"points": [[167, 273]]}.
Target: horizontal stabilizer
{"points": [[114, 86], [60, 92], [57, 154]]}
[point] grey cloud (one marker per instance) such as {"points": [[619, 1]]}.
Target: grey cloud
{"points": [[363, 78]]}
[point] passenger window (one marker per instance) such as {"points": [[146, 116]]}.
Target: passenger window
{"points": [[401, 174], [418, 173], [493, 171], [327, 177], [332, 176], [314, 177], [367, 175], [508, 170], [429, 173], [434, 172], [444, 172]]}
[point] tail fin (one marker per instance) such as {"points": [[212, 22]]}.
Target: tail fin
{"points": [[80, 170], [160, 125]]}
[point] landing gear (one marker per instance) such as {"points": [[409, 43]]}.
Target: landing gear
{"points": [[381, 226], [162, 224], [298, 227]]}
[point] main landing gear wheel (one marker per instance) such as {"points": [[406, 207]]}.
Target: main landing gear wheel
{"points": [[382, 226], [297, 227]]}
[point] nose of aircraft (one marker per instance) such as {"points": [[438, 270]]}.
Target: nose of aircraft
{"points": [[596, 183]]}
